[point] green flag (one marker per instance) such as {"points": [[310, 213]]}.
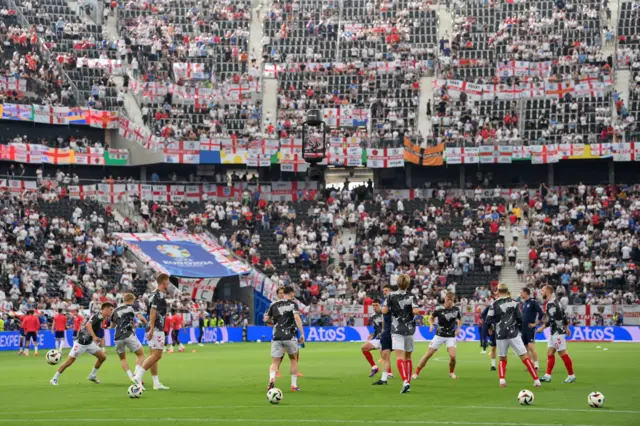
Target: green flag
{"points": [[116, 157]]}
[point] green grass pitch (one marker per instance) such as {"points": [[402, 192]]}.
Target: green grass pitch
{"points": [[226, 384]]}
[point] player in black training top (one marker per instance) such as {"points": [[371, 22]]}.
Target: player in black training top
{"points": [[286, 326], [403, 308], [155, 333], [125, 337], [556, 318], [505, 316], [385, 342], [489, 332], [88, 341], [448, 328], [373, 341]]}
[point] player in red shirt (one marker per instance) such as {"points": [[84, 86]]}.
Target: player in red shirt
{"points": [[31, 325], [59, 326], [176, 325], [167, 329], [78, 320]]}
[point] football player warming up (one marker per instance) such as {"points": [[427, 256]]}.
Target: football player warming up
{"points": [[403, 308], [504, 314], [557, 319], [373, 342], [286, 325], [385, 343], [125, 337], [448, 328], [88, 341]]}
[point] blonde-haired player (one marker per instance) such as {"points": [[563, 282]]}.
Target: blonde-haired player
{"points": [[125, 337], [448, 328]]}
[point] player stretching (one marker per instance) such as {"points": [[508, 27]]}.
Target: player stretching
{"points": [[373, 342], [59, 325], [88, 341], [31, 325], [385, 343], [531, 316], [557, 319], [286, 325], [403, 308], [125, 337], [155, 335], [506, 317], [176, 325], [449, 326]]}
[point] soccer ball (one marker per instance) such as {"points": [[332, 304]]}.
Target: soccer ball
{"points": [[53, 357], [134, 391], [525, 397], [595, 400], [274, 396]]}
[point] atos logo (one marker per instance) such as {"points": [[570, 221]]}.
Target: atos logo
{"points": [[594, 334], [317, 334]]}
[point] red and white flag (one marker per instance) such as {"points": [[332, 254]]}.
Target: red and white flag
{"points": [[384, 158]]}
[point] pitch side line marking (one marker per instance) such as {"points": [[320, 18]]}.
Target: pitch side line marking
{"points": [[213, 420], [464, 407]]}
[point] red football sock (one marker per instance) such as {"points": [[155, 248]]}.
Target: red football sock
{"points": [[568, 363], [551, 362], [409, 369], [369, 358], [531, 368], [400, 364], [418, 370], [502, 368], [389, 371]]}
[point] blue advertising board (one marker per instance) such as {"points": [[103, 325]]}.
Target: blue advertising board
{"points": [[9, 340], [184, 259]]}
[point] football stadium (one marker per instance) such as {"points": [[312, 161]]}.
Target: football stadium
{"points": [[385, 212]]}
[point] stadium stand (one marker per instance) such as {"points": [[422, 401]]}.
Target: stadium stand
{"points": [[538, 75]]}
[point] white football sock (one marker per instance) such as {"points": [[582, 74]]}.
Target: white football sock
{"points": [[55, 376], [35, 350], [130, 374], [181, 347], [156, 380], [294, 380], [94, 372], [385, 376], [536, 364], [493, 362], [272, 375], [137, 370]]}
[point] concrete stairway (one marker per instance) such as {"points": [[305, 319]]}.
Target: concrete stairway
{"points": [[509, 274]]}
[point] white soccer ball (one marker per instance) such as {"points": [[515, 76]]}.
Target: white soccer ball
{"points": [[274, 396], [595, 400], [134, 391], [525, 397], [53, 357], [258, 341]]}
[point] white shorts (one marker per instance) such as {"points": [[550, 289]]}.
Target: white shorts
{"points": [[438, 341], [400, 342], [157, 341], [79, 349], [516, 344], [130, 342], [558, 342], [375, 343], [279, 347]]}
